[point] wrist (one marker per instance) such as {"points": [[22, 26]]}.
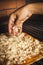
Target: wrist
{"points": [[30, 8]]}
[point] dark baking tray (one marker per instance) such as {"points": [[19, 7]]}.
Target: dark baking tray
{"points": [[34, 26]]}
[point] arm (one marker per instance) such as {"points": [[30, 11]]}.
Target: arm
{"points": [[24, 14], [37, 8], [28, 10]]}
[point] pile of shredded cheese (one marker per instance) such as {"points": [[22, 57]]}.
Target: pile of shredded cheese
{"points": [[16, 49]]}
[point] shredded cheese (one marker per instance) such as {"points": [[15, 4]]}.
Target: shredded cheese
{"points": [[16, 49]]}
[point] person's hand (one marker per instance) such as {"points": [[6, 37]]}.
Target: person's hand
{"points": [[19, 17]]}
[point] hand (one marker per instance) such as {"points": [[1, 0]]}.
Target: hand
{"points": [[19, 17], [17, 30]]}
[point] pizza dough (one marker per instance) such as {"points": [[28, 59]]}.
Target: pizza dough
{"points": [[22, 49]]}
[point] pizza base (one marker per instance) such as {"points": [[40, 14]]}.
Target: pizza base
{"points": [[32, 59]]}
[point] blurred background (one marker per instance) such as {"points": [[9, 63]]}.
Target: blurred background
{"points": [[8, 6]]}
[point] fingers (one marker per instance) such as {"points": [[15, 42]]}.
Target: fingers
{"points": [[11, 23], [17, 30]]}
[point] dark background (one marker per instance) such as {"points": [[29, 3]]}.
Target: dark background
{"points": [[33, 1]]}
